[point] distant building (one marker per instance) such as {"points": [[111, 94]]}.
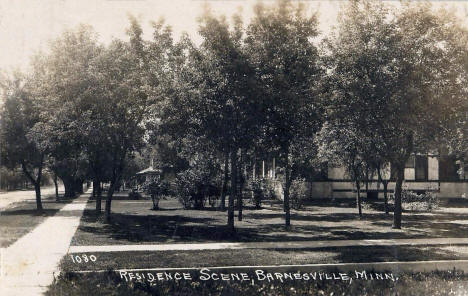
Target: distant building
{"points": [[443, 174]]}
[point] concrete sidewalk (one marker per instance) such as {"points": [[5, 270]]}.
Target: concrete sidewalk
{"points": [[28, 265], [271, 245]]}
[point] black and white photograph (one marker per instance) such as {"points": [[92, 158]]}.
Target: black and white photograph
{"points": [[233, 147]]}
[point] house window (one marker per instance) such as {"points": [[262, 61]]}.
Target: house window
{"points": [[420, 168], [448, 168]]}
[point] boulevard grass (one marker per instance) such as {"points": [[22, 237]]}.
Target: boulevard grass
{"points": [[20, 218], [258, 257], [450, 282]]}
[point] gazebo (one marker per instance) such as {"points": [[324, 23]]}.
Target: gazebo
{"points": [[148, 174], [150, 171]]}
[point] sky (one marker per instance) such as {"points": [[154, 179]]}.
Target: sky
{"points": [[27, 26]]}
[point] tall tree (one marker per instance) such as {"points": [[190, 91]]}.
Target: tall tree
{"points": [[125, 103], [395, 77], [231, 97], [340, 144], [21, 145], [65, 84], [280, 44], [215, 96]]}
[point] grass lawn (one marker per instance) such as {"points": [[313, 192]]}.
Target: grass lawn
{"points": [[133, 222], [110, 283], [21, 218]]}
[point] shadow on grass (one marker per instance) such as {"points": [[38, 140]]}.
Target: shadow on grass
{"points": [[164, 228], [30, 212], [153, 228], [176, 225]]}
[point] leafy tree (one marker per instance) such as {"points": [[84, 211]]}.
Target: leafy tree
{"points": [[124, 103], [280, 44], [339, 144], [214, 97], [65, 84], [456, 133], [394, 79], [22, 145], [430, 87], [230, 113]]}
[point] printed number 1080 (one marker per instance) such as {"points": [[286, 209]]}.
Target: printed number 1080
{"points": [[83, 258]]}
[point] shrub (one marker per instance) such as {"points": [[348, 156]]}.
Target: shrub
{"points": [[298, 193], [192, 189], [257, 188], [156, 189], [413, 201], [269, 189]]}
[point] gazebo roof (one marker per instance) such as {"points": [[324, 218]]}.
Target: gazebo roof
{"points": [[149, 171]]}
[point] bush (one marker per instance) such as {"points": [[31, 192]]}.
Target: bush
{"points": [[262, 189], [193, 189], [257, 188], [156, 188], [413, 201], [269, 189], [297, 193]]}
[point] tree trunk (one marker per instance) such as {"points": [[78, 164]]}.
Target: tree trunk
{"points": [[240, 194], [110, 193], [37, 188], [367, 182], [287, 211], [385, 189], [37, 184], [233, 194], [56, 187], [155, 202], [385, 194], [358, 189], [222, 205], [398, 188], [69, 187], [78, 186], [98, 194]]}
